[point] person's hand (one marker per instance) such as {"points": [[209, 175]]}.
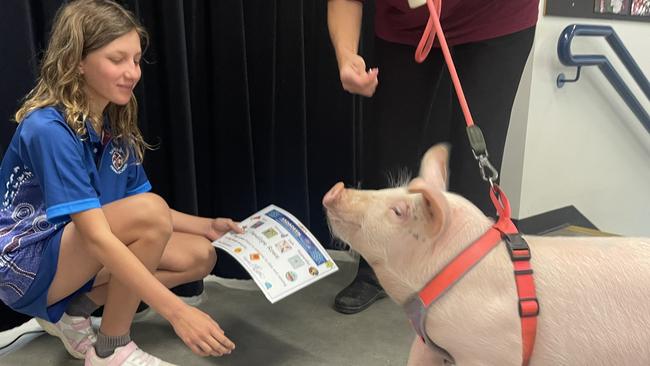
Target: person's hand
{"points": [[201, 333], [219, 226], [354, 77]]}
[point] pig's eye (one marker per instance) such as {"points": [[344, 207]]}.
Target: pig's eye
{"points": [[400, 209]]}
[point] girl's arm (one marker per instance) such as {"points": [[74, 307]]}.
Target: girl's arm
{"points": [[212, 229]]}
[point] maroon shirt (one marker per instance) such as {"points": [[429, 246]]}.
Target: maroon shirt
{"points": [[462, 20]]}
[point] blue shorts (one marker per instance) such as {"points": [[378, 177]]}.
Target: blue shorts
{"points": [[34, 302]]}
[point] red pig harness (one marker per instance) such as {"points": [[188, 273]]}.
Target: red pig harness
{"points": [[503, 230]]}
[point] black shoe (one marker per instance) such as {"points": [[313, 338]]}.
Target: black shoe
{"points": [[359, 295], [189, 289]]}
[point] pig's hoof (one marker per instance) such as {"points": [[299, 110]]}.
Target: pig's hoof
{"points": [[358, 296]]}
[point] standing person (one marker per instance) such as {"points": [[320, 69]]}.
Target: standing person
{"points": [[415, 107], [77, 226]]}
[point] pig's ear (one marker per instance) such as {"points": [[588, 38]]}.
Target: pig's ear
{"points": [[434, 166], [436, 205]]}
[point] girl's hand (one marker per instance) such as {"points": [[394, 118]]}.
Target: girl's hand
{"points": [[219, 226], [354, 77], [201, 333]]}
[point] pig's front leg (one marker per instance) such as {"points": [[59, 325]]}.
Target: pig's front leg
{"points": [[422, 355]]}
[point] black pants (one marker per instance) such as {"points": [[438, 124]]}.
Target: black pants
{"points": [[415, 107]]}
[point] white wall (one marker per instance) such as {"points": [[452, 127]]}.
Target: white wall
{"points": [[580, 145]]}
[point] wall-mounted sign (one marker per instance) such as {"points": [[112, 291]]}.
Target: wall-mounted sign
{"points": [[637, 10]]}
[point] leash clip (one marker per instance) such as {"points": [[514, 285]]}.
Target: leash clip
{"points": [[479, 149], [484, 163]]}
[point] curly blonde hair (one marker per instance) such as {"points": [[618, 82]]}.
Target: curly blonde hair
{"points": [[81, 27]]}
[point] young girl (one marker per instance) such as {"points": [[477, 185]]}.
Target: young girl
{"points": [[77, 226]]}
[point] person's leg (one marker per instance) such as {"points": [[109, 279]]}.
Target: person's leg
{"points": [[186, 258], [490, 72], [402, 114], [405, 111], [143, 223]]}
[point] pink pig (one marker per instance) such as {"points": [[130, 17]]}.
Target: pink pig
{"points": [[594, 292]]}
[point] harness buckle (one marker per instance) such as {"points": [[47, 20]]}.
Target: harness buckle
{"points": [[528, 307], [517, 247]]}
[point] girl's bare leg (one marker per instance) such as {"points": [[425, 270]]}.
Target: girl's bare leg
{"points": [[186, 258], [143, 223]]}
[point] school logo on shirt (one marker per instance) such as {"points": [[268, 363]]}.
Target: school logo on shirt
{"points": [[118, 160]]}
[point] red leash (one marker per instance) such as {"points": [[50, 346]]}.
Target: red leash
{"points": [[503, 229], [425, 46]]}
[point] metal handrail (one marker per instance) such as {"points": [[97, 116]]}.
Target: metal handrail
{"points": [[568, 59]]}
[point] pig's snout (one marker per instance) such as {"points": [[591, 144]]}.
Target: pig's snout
{"points": [[333, 195], [343, 217]]}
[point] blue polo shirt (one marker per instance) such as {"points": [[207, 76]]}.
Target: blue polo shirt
{"points": [[48, 173]]}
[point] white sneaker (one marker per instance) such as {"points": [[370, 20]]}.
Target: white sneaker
{"points": [[75, 332], [129, 355]]}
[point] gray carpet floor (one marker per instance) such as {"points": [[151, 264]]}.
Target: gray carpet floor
{"points": [[301, 329]]}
